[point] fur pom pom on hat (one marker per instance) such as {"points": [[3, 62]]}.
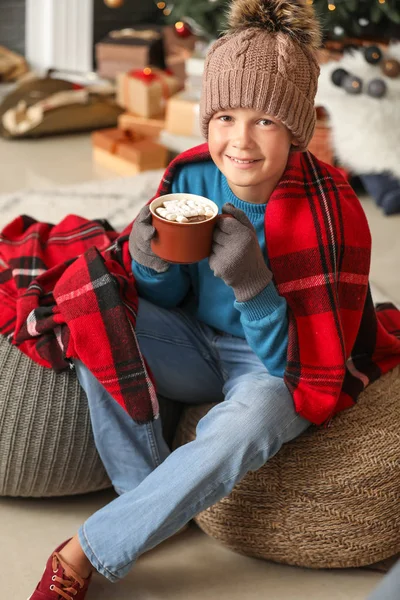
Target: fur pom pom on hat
{"points": [[266, 61], [296, 19]]}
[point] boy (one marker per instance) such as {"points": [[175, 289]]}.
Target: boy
{"points": [[219, 331]]}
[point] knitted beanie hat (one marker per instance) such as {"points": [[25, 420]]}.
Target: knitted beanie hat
{"points": [[266, 61]]}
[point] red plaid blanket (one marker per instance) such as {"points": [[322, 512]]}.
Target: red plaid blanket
{"points": [[67, 291]]}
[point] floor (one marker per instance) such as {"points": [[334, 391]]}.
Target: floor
{"points": [[190, 565]]}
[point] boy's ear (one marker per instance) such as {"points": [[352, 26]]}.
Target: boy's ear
{"points": [[294, 145]]}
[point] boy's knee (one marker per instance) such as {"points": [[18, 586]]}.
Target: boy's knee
{"points": [[257, 394], [261, 407]]}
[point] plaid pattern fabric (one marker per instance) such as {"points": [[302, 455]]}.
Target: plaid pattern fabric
{"points": [[319, 247], [32, 257], [67, 291]]}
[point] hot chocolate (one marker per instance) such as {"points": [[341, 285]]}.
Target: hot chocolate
{"points": [[192, 240], [185, 210]]}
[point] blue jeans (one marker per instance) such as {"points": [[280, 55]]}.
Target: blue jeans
{"points": [[160, 490]]}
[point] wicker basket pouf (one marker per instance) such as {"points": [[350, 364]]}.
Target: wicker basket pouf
{"points": [[329, 499]]}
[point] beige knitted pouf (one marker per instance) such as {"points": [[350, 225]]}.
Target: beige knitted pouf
{"points": [[329, 499]]}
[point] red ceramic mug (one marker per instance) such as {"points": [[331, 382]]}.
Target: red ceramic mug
{"points": [[182, 243]]}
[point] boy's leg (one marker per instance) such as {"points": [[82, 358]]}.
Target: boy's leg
{"points": [[236, 436], [129, 452], [183, 365]]}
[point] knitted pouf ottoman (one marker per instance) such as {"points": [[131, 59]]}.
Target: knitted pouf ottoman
{"points": [[329, 499], [46, 441]]}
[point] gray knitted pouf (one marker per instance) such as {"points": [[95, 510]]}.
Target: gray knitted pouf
{"points": [[46, 441]]}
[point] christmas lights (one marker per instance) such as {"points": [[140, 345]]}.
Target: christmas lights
{"points": [[114, 3], [340, 18], [358, 17]]}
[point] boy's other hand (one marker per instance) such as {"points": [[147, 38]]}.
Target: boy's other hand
{"points": [[236, 255], [140, 240]]}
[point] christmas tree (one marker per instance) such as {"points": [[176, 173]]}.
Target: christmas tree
{"points": [[359, 18], [339, 18], [206, 18]]}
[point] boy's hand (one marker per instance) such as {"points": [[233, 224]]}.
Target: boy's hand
{"points": [[139, 242], [236, 255]]}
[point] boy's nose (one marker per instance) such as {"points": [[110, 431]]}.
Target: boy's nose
{"points": [[242, 137]]}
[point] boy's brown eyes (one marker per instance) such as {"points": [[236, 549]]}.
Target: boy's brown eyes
{"points": [[229, 118]]}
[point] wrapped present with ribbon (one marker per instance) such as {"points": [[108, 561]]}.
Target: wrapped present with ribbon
{"points": [[145, 92], [127, 152], [130, 48], [182, 116], [174, 42], [176, 63], [149, 128]]}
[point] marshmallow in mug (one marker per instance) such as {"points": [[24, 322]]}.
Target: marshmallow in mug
{"points": [[185, 210]]}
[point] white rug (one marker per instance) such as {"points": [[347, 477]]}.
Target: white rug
{"points": [[117, 200]]}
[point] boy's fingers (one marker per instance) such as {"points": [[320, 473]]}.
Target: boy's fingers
{"points": [[220, 237], [142, 228], [229, 209], [148, 233], [229, 226], [144, 215]]}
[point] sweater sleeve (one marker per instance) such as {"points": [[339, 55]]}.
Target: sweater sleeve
{"points": [[166, 289], [265, 324]]}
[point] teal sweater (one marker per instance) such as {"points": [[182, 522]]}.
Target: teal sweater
{"points": [[262, 321]]}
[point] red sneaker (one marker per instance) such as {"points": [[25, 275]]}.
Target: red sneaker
{"points": [[59, 581]]}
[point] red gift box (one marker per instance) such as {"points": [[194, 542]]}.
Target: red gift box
{"points": [[145, 91]]}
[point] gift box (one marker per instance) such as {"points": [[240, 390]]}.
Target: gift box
{"points": [[188, 64], [176, 63], [146, 91], [194, 75], [150, 128], [182, 117], [128, 49], [127, 153], [174, 43]]}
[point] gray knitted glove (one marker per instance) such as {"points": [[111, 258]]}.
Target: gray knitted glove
{"points": [[139, 242], [236, 255]]}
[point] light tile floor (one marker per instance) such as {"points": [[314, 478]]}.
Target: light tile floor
{"points": [[191, 565]]}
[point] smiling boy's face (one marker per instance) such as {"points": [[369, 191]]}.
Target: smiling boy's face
{"points": [[251, 149]]}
